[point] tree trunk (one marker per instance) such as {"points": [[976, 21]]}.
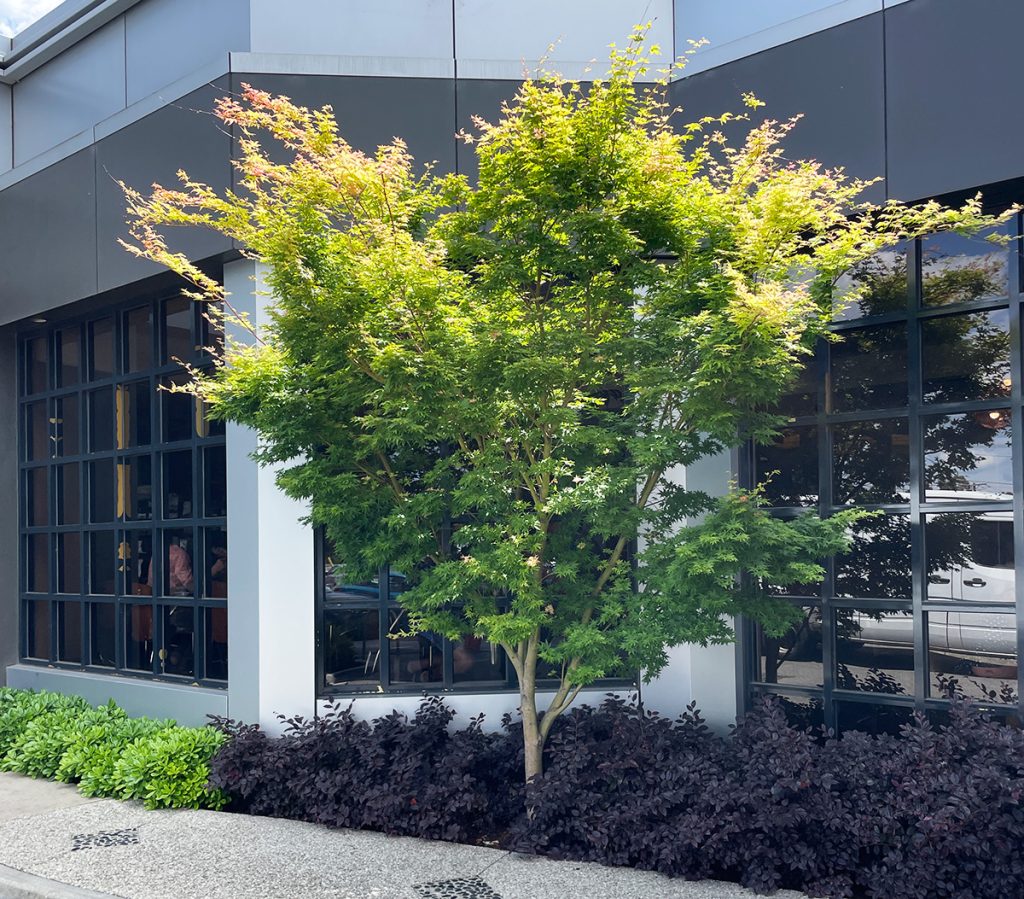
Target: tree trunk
{"points": [[533, 742]]}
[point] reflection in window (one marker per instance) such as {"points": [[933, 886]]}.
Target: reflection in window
{"points": [[958, 269], [135, 477], [475, 660], [178, 484], [968, 456], [102, 496], [37, 432], [973, 655], [177, 654], [216, 581], [178, 410], [38, 622], [38, 563], [67, 426], [970, 557], [415, 658], [133, 414], [878, 564], [103, 628], [137, 562], [792, 464], [69, 563], [873, 287], [215, 482], [802, 397], [872, 719], [101, 420], [37, 365], [102, 562], [869, 369], [177, 314], [216, 643], [966, 357], [37, 496], [871, 462], [138, 637], [69, 500], [875, 651], [69, 357], [101, 349], [69, 631], [138, 339], [351, 646], [795, 658]]}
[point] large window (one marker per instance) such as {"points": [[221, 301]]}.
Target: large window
{"points": [[911, 414], [123, 497]]}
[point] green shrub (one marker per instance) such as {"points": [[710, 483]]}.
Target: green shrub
{"points": [[171, 769], [109, 754]]}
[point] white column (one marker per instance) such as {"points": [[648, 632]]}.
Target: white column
{"points": [[271, 566]]}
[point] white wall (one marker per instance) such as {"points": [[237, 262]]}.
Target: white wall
{"points": [[6, 131]]}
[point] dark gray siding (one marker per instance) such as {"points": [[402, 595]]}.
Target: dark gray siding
{"points": [[834, 79]]}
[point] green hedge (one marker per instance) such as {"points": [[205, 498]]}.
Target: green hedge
{"points": [[107, 753]]}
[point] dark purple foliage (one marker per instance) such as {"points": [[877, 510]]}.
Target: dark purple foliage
{"points": [[936, 812]]}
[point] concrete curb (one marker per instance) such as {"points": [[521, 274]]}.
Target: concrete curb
{"points": [[15, 884]]}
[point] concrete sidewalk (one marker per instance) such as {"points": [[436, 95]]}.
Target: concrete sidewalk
{"points": [[57, 845]]}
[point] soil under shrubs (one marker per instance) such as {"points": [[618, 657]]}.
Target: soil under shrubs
{"points": [[936, 812]]}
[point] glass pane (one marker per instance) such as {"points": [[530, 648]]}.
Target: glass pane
{"points": [[869, 369], [38, 563], [871, 462], [215, 482], [872, 719], [475, 660], [212, 323], [178, 484], [178, 329], [136, 474], [966, 357], [69, 631], [133, 414], [101, 349], [179, 416], [37, 432], [970, 557], [792, 464], [414, 659], [968, 457], [69, 498], [216, 541], [38, 621], [351, 646], [795, 657], [69, 563], [37, 363], [802, 398], [102, 492], [138, 637], [178, 652], [873, 287], [138, 339], [68, 426], [216, 644], [338, 586], [973, 655], [878, 564], [37, 496], [101, 420], [958, 269], [103, 634], [102, 562], [69, 357], [802, 712], [177, 559], [875, 651], [137, 562]]}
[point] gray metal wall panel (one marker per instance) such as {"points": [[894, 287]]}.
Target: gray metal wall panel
{"points": [[167, 39], [372, 111], [152, 150], [952, 76], [833, 78], [353, 28], [48, 238], [6, 129], [479, 97], [71, 93]]}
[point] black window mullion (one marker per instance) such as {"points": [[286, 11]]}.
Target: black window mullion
{"points": [[384, 624], [1016, 273]]}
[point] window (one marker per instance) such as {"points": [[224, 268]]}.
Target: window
{"points": [[910, 414], [123, 498]]}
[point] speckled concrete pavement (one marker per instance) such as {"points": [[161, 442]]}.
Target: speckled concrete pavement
{"points": [[121, 850]]}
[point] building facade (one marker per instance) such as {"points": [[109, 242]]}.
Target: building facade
{"points": [[150, 560]]}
